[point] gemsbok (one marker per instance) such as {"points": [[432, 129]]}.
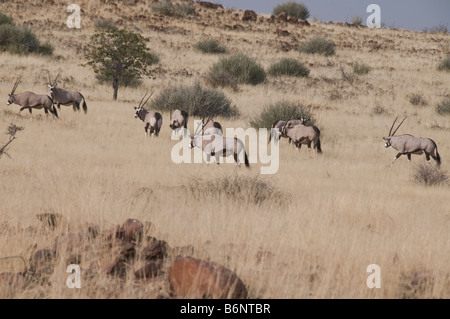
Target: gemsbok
{"points": [[301, 134], [178, 120], [29, 100], [218, 145], [64, 97], [152, 119], [407, 144]]}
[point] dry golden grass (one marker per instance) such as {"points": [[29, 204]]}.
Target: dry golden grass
{"points": [[344, 209]]}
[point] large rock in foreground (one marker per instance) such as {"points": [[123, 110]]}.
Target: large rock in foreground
{"points": [[195, 278]]}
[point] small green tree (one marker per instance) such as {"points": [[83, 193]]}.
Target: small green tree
{"points": [[119, 57]]}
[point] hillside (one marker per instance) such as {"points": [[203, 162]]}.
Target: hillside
{"points": [[322, 218]]}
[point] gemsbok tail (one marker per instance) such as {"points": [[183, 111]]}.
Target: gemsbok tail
{"points": [[438, 157], [319, 149], [247, 164], [84, 104]]}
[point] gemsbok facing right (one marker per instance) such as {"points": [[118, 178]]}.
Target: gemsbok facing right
{"points": [[407, 144]]}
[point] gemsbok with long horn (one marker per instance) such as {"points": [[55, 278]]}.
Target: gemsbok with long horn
{"points": [[152, 119], [178, 120], [407, 144], [29, 100], [301, 134], [65, 97], [211, 127]]}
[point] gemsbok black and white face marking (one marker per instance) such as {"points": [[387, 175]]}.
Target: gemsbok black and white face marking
{"points": [[407, 144]]}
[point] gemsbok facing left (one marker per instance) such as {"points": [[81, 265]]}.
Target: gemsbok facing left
{"points": [[152, 119], [407, 144], [64, 97], [29, 100]]}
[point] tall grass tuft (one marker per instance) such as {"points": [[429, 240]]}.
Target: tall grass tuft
{"points": [[318, 45], [429, 175], [241, 189], [244, 69], [210, 46], [445, 64], [443, 108], [196, 100], [167, 8], [289, 67], [360, 68], [282, 110]]}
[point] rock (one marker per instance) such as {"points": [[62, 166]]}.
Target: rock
{"points": [[282, 17], [249, 15], [303, 22], [209, 5], [132, 230], [150, 270], [156, 249], [195, 278]]}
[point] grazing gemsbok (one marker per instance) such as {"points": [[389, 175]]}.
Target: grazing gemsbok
{"points": [[178, 119], [407, 144], [64, 97], [301, 134], [152, 119], [29, 100], [217, 145]]}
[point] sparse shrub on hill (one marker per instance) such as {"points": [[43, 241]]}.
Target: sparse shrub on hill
{"points": [[246, 70], [443, 108], [196, 100], [167, 8], [417, 99], [101, 23], [282, 111], [445, 64], [222, 79], [292, 8], [360, 68], [357, 20], [290, 67], [210, 46], [318, 45], [19, 39]]}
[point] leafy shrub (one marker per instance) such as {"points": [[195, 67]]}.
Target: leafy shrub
{"points": [[443, 107], [429, 175], [445, 64], [360, 68], [222, 79], [4, 19], [196, 100], [210, 46], [290, 67], [292, 8], [417, 99], [318, 45], [20, 40], [282, 111], [244, 69]]}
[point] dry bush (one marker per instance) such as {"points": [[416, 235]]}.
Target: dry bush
{"points": [[417, 99], [429, 175]]}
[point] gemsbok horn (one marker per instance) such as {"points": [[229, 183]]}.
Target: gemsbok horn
{"points": [[64, 97], [29, 100], [407, 144], [152, 119]]}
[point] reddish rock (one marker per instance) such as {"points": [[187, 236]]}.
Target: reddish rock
{"points": [[303, 22], [249, 15], [156, 249], [132, 230], [195, 278], [292, 19]]}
